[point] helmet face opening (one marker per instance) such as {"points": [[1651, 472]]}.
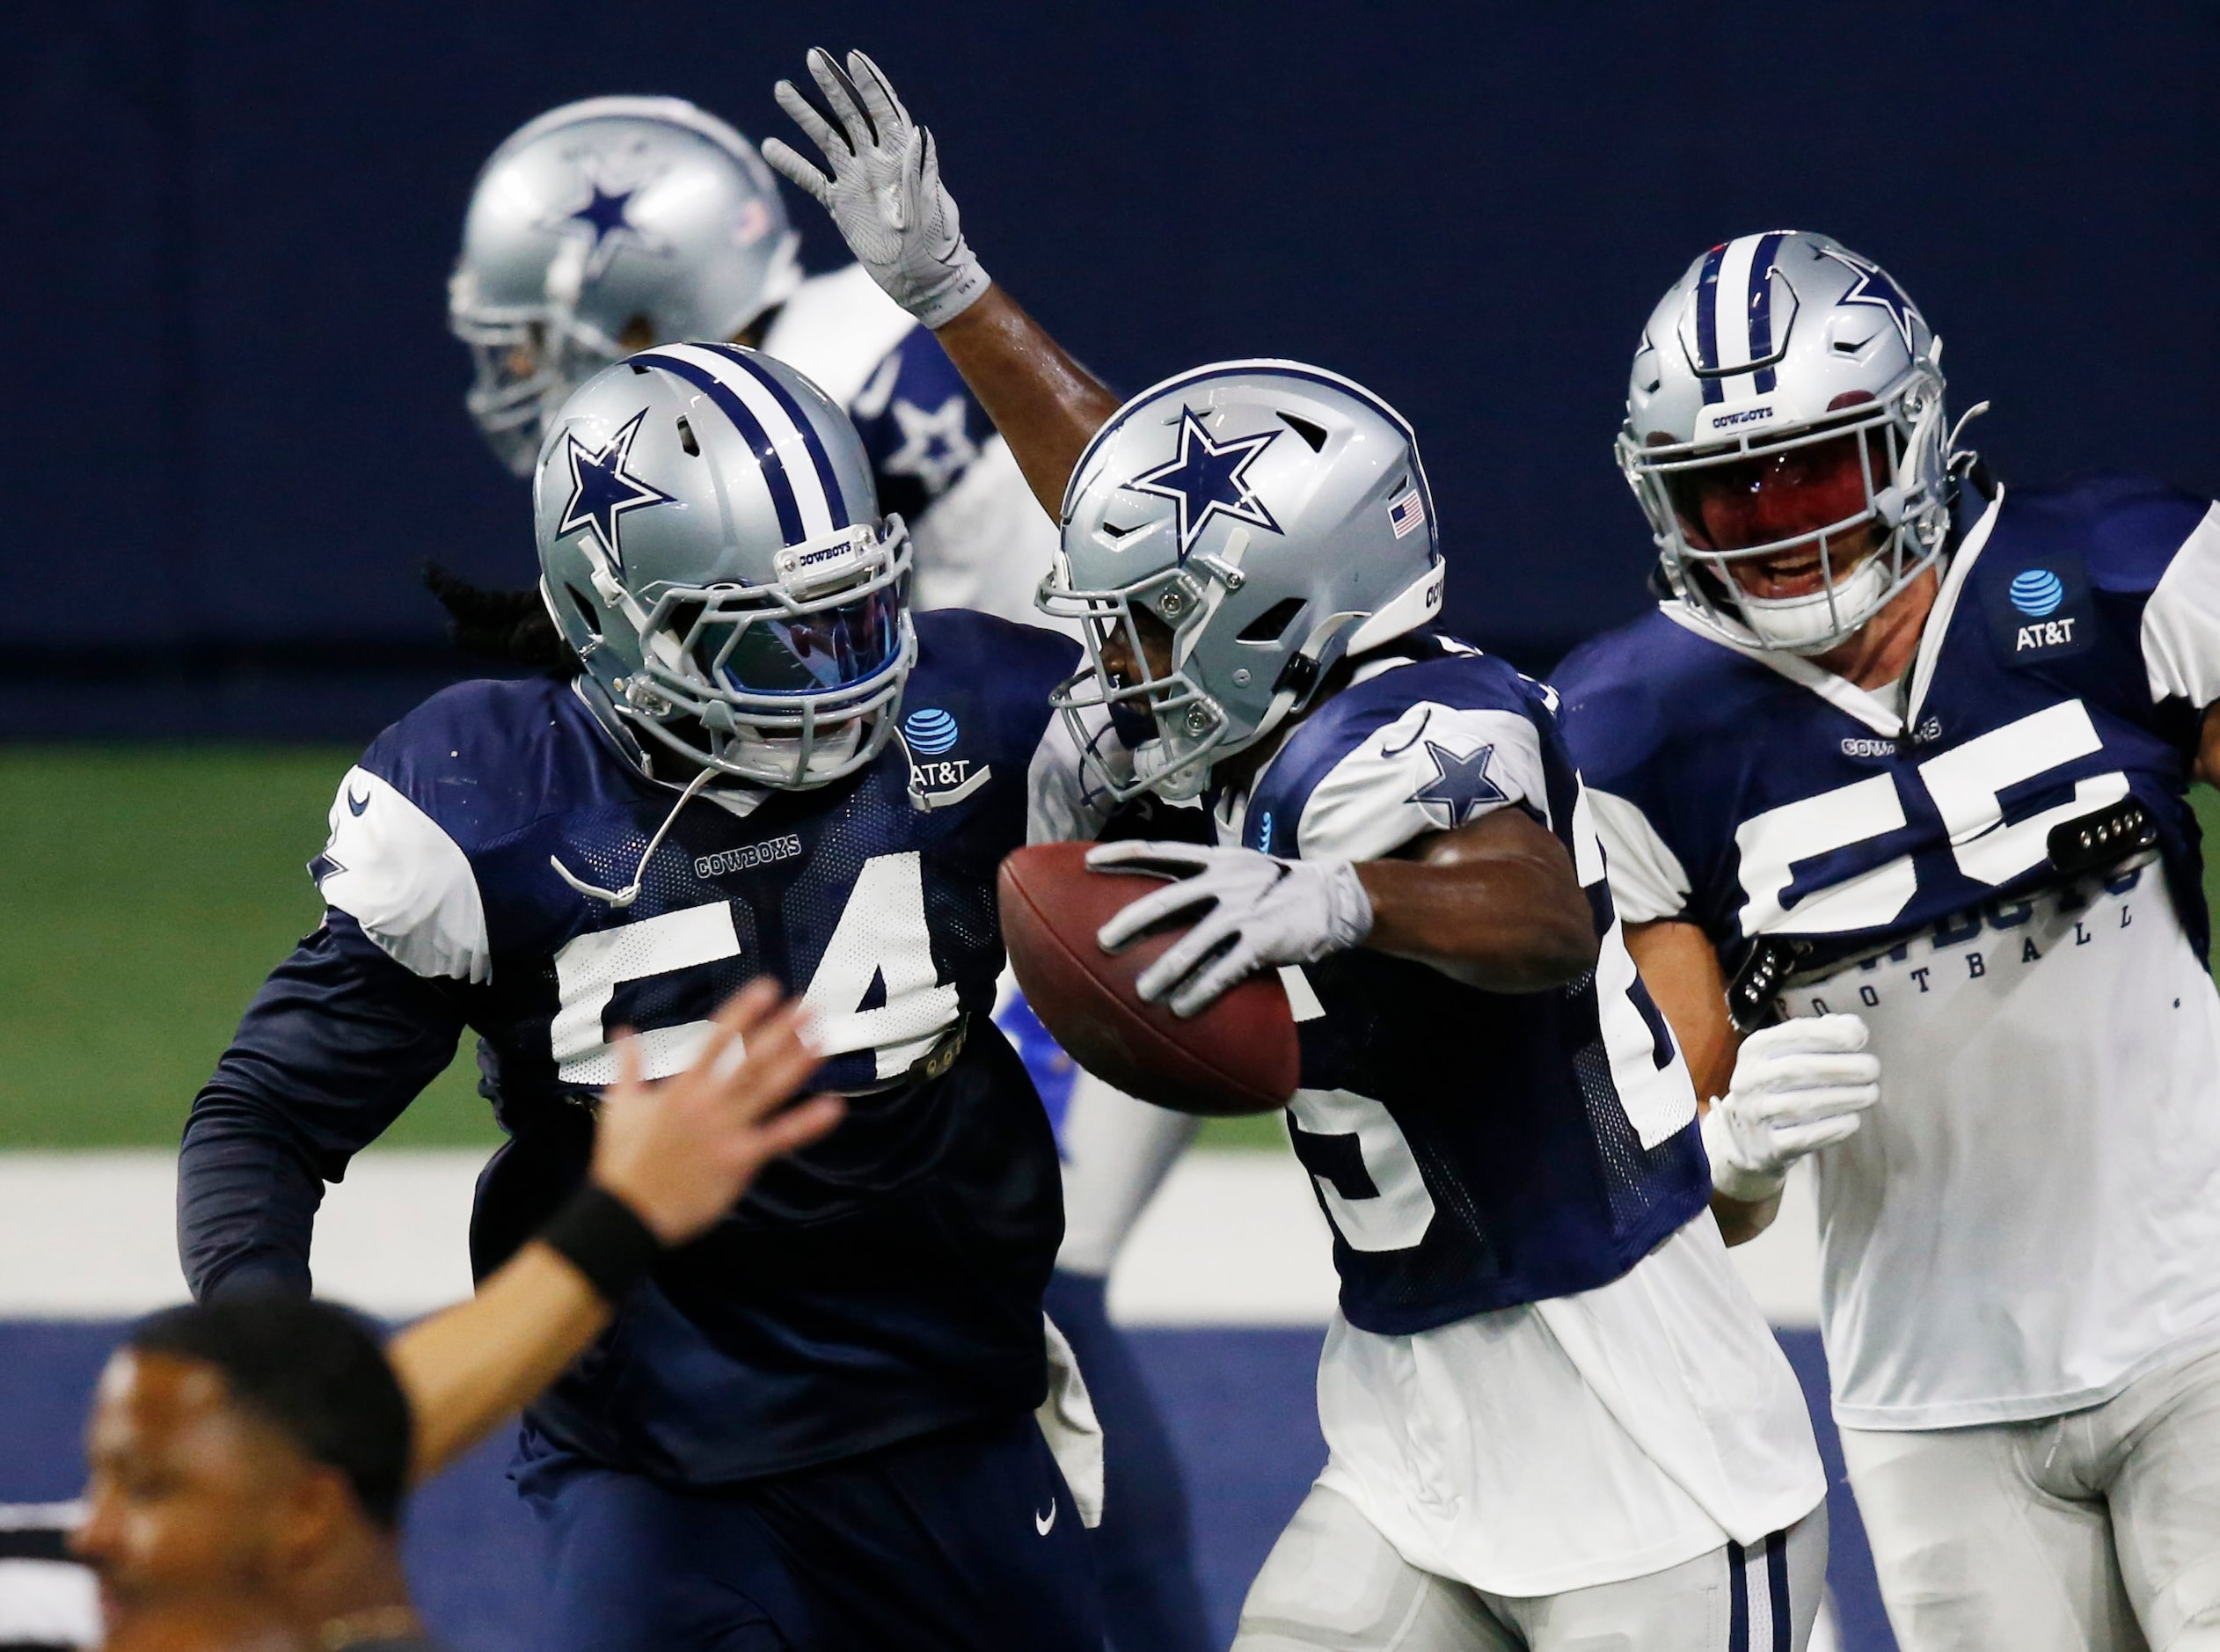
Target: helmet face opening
{"points": [[1135, 639], [1779, 496], [763, 685], [768, 652]]}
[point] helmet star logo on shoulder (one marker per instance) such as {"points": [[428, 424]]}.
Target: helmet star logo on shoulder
{"points": [[1460, 787], [603, 489], [1209, 478], [1875, 288]]}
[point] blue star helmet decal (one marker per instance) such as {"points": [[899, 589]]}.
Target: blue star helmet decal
{"points": [[603, 220], [1875, 289], [1460, 786], [1209, 479], [602, 490]]}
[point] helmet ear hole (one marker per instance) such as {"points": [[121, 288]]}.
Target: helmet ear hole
{"points": [[1275, 622], [587, 614]]}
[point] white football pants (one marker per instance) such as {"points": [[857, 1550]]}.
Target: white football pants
{"points": [[1333, 1581], [1117, 1152], [2094, 1532]]}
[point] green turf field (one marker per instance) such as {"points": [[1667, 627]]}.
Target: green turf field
{"points": [[144, 893]]}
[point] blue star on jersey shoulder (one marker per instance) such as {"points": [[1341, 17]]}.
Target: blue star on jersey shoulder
{"points": [[603, 489], [1460, 787], [1209, 478], [1875, 289]]}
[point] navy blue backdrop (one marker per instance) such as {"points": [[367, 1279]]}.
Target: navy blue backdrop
{"points": [[234, 418]]}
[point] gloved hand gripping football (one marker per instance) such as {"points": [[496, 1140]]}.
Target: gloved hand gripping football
{"points": [[880, 177], [1252, 911], [1798, 1087]]}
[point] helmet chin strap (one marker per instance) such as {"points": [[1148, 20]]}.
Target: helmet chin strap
{"points": [[619, 899]]}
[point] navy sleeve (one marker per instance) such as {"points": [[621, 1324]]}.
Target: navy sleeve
{"points": [[339, 1041]]}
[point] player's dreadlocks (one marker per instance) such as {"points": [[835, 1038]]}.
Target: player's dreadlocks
{"points": [[509, 627]]}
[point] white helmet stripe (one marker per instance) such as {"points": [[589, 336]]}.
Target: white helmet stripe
{"points": [[794, 447], [1730, 296]]}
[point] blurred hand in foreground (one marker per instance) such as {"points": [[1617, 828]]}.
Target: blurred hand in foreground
{"points": [[680, 1152]]}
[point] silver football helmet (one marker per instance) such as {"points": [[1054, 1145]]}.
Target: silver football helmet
{"points": [[710, 543], [594, 217], [1785, 435], [1272, 518]]}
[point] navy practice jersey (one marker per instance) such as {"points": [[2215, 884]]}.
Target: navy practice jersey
{"points": [[885, 1282], [2026, 1220], [2048, 687], [1472, 1150]]}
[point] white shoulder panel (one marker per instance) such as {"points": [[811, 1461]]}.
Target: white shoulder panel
{"points": [[391, 868], [836, 329], [2181, 621], [986, 544], [1649, 881], [1432, 769]]}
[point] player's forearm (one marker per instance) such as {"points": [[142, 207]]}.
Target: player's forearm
{"points": [[246, 1202], [1742, 1220], [469, 1368], [1506, 920], [1045, 405], [1682, 972]]}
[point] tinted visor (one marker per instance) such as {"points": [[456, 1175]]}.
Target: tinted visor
{"points": [[1784, 493], [807, 653]]}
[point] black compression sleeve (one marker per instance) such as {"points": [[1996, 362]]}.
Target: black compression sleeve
{"points": [[339, 1041]]}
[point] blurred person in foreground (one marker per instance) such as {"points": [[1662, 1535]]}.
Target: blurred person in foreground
{"points": [[249, 1460]]}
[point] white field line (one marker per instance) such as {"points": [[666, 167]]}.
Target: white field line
{"points": [[1233, 1238]]}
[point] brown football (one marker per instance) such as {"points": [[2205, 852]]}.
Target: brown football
{"points": [[1240, 1055]]}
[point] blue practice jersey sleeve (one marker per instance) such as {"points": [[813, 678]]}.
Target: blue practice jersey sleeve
{"points": [[339, 1041]]}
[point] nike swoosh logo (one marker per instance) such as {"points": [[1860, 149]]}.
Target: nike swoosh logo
{"points": [[1042, 1523], [1416, 734], [356, 805]]}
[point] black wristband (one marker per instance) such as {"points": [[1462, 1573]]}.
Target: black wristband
{"points": [[603, 1237]]}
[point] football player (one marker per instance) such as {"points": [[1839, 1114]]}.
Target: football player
{"points": [[1901, 743], [814, 1426], [615, 223], [1555, 1418]]}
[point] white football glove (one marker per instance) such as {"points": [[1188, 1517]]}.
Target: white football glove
{"points": [[1256, 911], [1798, 1087], [884, 190]]}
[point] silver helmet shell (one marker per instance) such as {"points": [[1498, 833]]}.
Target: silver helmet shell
{"points": [[593, 215], [1273, 517], [710, 543], [1774, 342]]}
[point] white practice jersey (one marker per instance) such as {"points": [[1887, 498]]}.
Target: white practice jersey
{"points": [[981, 539], [1545, 1374], [2031, 1217]]}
